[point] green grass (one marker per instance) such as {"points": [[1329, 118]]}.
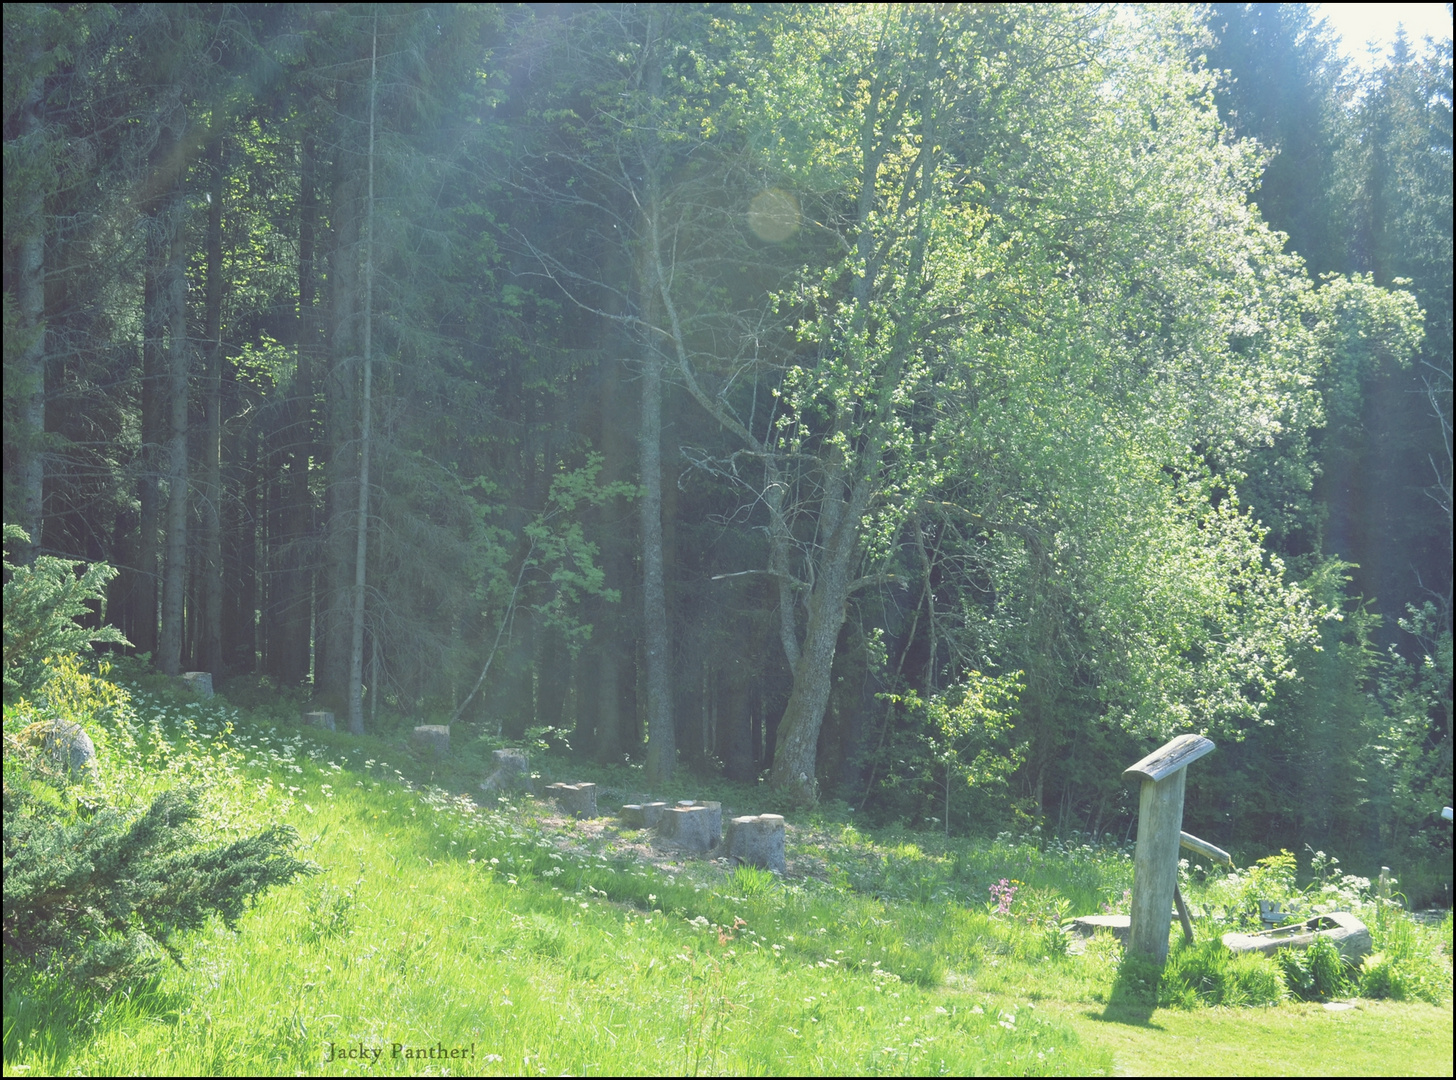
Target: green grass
{"points": [[1374, 1038], [440, 928]]}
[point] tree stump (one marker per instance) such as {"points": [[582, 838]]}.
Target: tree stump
{"points": [[323, 720], [643, 815], [696, 826], [512, 772], [199, 682], [577, 799], [432, 737], [758, 841]]}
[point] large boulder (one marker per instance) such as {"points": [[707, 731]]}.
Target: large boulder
{"points": [[65, 745]]}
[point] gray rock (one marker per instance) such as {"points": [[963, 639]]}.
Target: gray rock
{"points": [[67, 745]]}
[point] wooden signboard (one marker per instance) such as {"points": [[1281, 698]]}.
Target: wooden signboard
{"points": [[1160, 830]]}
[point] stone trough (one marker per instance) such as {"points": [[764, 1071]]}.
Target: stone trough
{"points": [[1348, 934]]}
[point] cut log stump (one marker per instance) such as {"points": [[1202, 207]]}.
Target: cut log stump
{"points": [[512, 772], [432, 737], [696, 826], [758, 841], [324, 720], [576, 799], [199, 682], [1119, 926], [644, 815]]}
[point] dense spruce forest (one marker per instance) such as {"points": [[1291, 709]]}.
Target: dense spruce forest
{"points": [[927, 408]]}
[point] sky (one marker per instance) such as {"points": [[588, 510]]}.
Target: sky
{"points": [[1358, 23]]}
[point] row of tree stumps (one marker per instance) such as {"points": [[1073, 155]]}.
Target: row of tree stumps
{"points": [[697, 826], [690, 825]]}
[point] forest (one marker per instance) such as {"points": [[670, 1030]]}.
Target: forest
{"points": [[924, 410]]}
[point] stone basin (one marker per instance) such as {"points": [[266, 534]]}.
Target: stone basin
{"points": [[1348, 934]]}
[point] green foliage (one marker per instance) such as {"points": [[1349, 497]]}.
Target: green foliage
{"points": [[966, 735], [1206, 973], [43, 601], [750, 881], [1316, 973], [329, 913], [558, 568], [104, 896], [1411, 961], [1413, 773]]}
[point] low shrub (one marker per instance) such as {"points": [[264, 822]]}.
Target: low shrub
{"points": [[1208, 974], [43, 601], [1407, 963], [1315, 974], [100, 896]]}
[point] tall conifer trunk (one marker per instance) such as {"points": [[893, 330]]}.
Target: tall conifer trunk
{"points": [[169, 315], [361, 533], [291, 661], [332, 638], [616, 445], [210, 651], [661, 743], [30, 299], [174, 573]]}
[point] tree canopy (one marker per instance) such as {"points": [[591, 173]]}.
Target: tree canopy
{"points": [[748, 389]]}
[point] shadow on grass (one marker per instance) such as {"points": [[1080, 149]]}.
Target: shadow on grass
{"points": [[48, 1018], [1134, 994]]}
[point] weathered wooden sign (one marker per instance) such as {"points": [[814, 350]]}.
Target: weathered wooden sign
{"points": [[1160, 831]]}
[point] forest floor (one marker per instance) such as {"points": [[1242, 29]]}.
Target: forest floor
{"points": [[521, 940]]}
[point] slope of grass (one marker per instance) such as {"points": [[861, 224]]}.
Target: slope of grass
{"points": [[446, 937]]}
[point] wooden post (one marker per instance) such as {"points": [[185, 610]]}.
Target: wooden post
{"points": [[1160, 825]]}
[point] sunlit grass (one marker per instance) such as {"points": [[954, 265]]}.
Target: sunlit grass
{"points": [[464, 939]]}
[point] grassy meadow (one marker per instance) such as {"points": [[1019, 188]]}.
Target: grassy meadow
{"points": [[442, 935]]}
